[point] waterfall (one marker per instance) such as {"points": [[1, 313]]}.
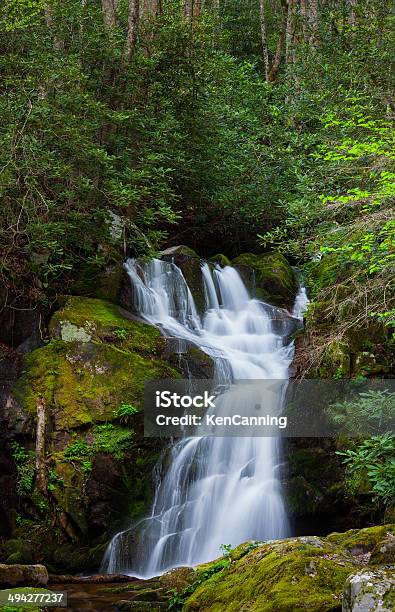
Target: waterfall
{"points": [[216, 490]]}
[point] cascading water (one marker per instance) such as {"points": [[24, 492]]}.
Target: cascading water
{"points": [[216, 490]]}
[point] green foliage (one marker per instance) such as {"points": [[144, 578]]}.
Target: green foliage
{"points": [[371, 468], [20, 14], [26, 469], [79, 452], [106, 438], [226, 549], [369, 412], [121, 333], [112, 439], [125, 411]]}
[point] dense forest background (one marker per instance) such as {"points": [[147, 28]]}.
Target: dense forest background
{"points": [[241, 123]]}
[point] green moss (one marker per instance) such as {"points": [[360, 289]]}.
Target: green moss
{"points": [[16, 551], [221, 259], [293, 575], [285, 576], [85, 382], [104, 321], [324, 272], [272, 277], [367, 538]]}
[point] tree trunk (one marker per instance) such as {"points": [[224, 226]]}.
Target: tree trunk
{"points": [[133, 23], [150, 7], [188, 8], [58, 44], [41, 472], [289, 32], [110, 13], [313, 22], [197, 8], [304, 19], [352, 14], [265, 49], [280, 44]]}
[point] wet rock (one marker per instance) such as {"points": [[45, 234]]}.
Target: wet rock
{"points": [[189, 359], [221, 260], [190, 264], [370, 591], [179, 578], [24, 575], [279, 575], [269, 277]]}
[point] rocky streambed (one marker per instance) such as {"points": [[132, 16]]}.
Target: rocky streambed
{"points": [[352, 571]]}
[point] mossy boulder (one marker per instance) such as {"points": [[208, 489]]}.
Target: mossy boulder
{"points": [[18, 551], [91, 374], [269, 276], [342, 339], [23, 575], [384, 551], [314, 487], [97, 358], [292, 575]]}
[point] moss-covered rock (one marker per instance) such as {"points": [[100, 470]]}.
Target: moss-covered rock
{"points": [[18, 551], [91, 374], [384, 550], [306, 573], [343, 339], [23, 575], [314, 488], [221, 259], [96, 360], [269, 276]]}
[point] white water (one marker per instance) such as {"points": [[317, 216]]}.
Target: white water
{"points": [[216, 490]]}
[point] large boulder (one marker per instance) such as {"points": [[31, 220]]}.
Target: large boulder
{"points": [[91, 374], [96, 360], [24, 575], [306, 573], [269, 276], [370, 591]]}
